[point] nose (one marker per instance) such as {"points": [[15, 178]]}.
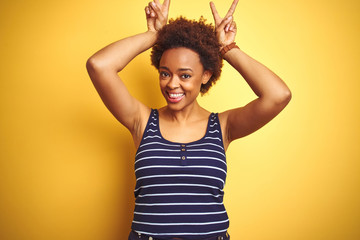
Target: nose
{"points": [[173, 82]]}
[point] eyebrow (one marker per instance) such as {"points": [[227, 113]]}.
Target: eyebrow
{"points": [[180, 69]]}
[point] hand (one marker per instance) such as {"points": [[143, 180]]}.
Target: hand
{"points": [[225, 27], [157, 14]]}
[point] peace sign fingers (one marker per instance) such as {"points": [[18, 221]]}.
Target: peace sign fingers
{"points": [[225, 27], [216, 15], [157, 14]]}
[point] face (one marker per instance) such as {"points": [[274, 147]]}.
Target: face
{"points": [[181, 76]]}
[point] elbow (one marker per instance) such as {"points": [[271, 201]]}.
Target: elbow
{"points": [[95, 63], [94, 69], [279, 97], [283, 97], [287, 95], [92, 64]]}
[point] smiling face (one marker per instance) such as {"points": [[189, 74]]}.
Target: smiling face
{"points": [[181, 76]]}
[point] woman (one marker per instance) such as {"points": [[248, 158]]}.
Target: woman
{"points": [[180, 164]]}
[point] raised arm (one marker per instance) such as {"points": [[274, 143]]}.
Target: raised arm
{"points": [[273, 94], [104, 65]]}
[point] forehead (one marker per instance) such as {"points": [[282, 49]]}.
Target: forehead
{"points": [[180, 58]]}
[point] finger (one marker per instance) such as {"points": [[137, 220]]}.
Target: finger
{"points": [[147, 11], [150, 20], [166, 4], [157, 10], [232, 27], [232, 8], [152, 7], [157, 2], [150, 10], [227, 27], [215, 14], [224, 23]]}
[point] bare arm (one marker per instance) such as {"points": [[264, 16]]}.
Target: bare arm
{"points": [[273, 94], [104, 65]]}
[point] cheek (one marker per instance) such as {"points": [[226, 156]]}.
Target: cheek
{"points": [[162, 83], [197, 82], [193, 86]]}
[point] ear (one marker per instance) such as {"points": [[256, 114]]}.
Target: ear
{"points": [[206, 76]]}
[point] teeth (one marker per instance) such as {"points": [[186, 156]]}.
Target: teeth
{"points": [[175, 95]]}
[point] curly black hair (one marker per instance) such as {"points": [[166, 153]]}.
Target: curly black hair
{"points": [[195, 35]]}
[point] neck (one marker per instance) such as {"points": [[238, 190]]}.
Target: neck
{"points": [[183, 115]]}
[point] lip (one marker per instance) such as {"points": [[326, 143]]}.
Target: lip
{"points": [[174, 98]]}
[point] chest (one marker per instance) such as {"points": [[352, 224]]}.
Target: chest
{"points": [[202, 163], [183, 133], [200, 155]]}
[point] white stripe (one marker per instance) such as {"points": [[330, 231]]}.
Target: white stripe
{"points": [[153, 124], [181, 175], [161, 157], [201, 144], [176, 224], [189, 166], [179, 194], [172, 214], [216, 138], [157, 149], [177, 184], [171, 145], [214, 131], [151, 130], [177, 204], [155, 136], [196, 233], [206, 150], [212, 158], [213, 125]]}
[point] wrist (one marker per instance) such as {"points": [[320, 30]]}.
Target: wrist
{"points": [[227, 48], [151, 32], [151, 36]]}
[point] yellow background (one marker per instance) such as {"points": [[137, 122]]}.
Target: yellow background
{"points": [[66, 169]]}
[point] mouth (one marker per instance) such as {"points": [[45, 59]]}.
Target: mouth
{"points": [[175, 97]]}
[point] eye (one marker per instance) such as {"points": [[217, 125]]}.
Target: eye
{"points": [[164, 74], [185, 76]]}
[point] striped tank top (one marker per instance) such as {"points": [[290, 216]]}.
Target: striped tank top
{"points": [[179, 186]]}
